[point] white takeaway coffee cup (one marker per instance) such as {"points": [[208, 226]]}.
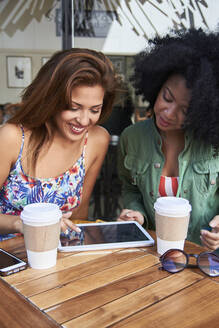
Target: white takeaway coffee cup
{"points": [[172, 216], [41, 229]]}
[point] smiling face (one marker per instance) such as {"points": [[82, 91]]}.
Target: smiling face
{"points": [[172, 104], [87, 102]]}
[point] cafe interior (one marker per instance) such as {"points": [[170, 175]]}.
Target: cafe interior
{"points": [[32, 30], [111, 287]]}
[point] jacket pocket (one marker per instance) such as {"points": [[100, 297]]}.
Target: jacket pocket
{"points": [[136, 167], [206, 175]]}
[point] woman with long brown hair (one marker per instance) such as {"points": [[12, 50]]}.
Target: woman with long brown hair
{"points": [[52, 149]]}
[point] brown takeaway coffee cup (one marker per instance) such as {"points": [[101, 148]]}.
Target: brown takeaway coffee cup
{"points": [[172, 216], [41, 228]]}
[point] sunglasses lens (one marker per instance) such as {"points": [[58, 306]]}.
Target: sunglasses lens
{"points": [[209, 264], [174, 261]]}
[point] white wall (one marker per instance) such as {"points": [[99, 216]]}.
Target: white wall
{"points": [[11, 94], [38, 39]]}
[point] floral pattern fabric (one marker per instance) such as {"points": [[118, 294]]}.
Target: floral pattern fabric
{"points": [[20, 189]]}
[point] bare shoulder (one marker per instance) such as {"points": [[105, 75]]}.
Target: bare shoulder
{"points": [[10, 138], [9, 132], [99, 136], [97, 145]]}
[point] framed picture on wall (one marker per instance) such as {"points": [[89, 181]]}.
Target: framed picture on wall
{"points": [[19, 73]]}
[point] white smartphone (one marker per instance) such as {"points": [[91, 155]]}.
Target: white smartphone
{"points": [[10, 264]]}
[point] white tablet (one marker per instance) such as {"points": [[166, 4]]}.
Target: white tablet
{"points": [[105, 235]]}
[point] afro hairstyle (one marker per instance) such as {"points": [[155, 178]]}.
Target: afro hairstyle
{"points": [[195, 55]]}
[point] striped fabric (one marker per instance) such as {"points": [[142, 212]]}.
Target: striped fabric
{"points": [[168, 186]]}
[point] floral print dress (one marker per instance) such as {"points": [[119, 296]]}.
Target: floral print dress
{"points": [[20, 189]]}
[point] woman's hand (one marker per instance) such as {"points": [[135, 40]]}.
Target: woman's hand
{"points": [[211, 239], [130, 215], [68, 224]]}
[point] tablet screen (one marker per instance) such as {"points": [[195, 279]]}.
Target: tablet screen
{"points": [[92, 234]]}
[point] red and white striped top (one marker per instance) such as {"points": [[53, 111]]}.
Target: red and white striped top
{"points": [[168, 186]]}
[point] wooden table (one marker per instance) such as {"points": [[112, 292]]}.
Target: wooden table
{"points": [[110, 288]]}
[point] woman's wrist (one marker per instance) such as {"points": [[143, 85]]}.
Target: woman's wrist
{"points": [[18, 225]]}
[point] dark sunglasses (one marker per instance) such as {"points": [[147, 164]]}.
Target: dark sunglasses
{"points": [[176, 260]]}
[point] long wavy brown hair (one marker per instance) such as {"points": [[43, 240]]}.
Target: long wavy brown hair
{"points": [[51, 92]]}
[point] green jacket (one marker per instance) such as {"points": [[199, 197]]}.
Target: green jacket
{"points": [[140, 163]]}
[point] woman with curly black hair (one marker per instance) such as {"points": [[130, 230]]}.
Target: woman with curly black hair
{"points": [[176, 153]]}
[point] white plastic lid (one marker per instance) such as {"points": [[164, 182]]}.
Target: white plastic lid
{"points": [[41, 212], [172, 206]]}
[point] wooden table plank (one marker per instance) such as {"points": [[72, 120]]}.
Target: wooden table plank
{"points": [[110, 288], [74, 272], [98, 297], [70, 260], [80, 286], [193, 307], [18, 312], [134, 302]]}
